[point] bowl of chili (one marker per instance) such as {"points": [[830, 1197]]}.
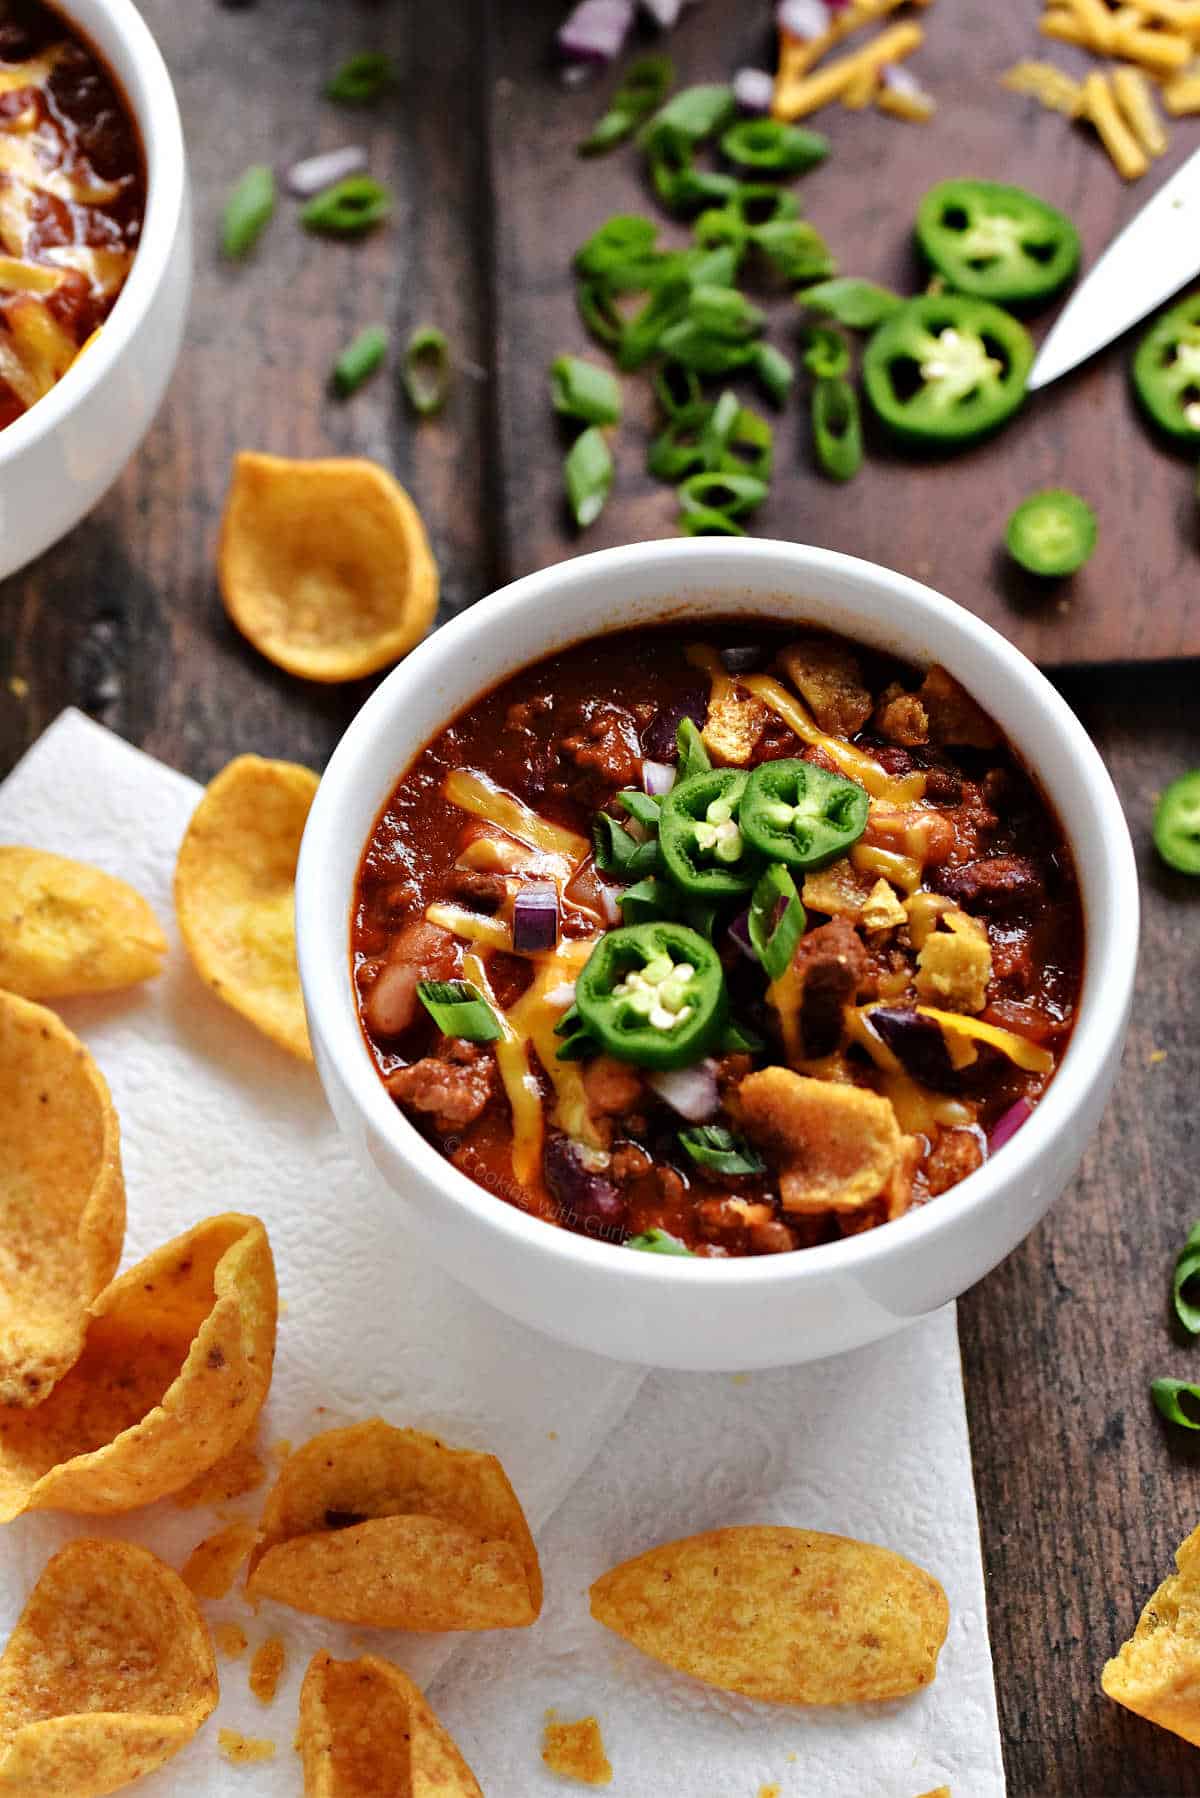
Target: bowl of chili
{"points": [[95, 258], [715, 861]]}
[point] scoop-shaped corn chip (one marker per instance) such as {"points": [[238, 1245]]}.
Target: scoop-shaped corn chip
{"points": [[108, 1673], [365, 1729], [175, 1366], [383, 1526], [325, 566], [235, 892], [789, 1616], [62, 1197], [66, 928], [1157, 1672]]}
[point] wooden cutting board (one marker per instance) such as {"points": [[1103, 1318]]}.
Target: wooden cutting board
{"points": [[940, 521]]}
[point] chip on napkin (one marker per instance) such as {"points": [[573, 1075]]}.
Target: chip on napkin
{"points": [[366, 1729]]}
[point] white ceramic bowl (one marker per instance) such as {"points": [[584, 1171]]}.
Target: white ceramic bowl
{"points": [[741, 1313], [58, 458]]}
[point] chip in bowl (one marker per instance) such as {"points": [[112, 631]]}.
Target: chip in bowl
{"points": [[108, 1673], [175, 1366], [235, 892], [784, 1615], [325, 566], [68, 928], [62, 1197], [389, 1527], [366, 1729]]}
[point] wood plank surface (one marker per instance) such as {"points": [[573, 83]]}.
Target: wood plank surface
{"points": [[1082, 1493], [941, 521]]}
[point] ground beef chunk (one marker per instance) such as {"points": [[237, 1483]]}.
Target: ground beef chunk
{"points": [[613, 1087], [525, 713], [942, 787], [483, 892], [453, 1086], [997, 884], [832, 964], [606, 745], [956, 1154]]}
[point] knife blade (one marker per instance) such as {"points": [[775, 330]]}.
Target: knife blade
{"points": [[1152, 258]]}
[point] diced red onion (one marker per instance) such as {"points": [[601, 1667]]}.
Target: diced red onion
{"points": [[741, 658], [803, 18], [901, 80], [1008, 1123], [657, 778], [739, 935], [692, 1092], [595, 30], [315, 173], [665, 13], [535, 917], [754, 89], [610, 903]]}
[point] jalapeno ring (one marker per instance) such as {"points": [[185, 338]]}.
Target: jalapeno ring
{"points": [[799, 814], [702, 846], [653, 994]]}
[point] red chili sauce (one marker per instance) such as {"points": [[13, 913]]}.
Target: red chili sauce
{"points": [[853, 1105], [72, 199]]}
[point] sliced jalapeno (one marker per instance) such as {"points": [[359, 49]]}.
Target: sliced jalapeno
{"points": [[800, 814], [1052, 533], [995, 242], [947, 368], [1177, 824], [653, 994], [1166, 371], [702, 845]]}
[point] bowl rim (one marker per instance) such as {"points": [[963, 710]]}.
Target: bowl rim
{"points": [[156, 113], [1109, 967]]}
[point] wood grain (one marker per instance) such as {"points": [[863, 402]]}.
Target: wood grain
{"points": [[1082, 1494]]}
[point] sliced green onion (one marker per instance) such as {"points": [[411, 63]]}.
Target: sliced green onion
{"points": [[721, 226], [619, 238], [707, 521], [696, 113], [837, 428], [1168, 1396], [679, 392], [568, 1022], [577, 1047], [693, 756], [774, 371], [751, 448], [732, 494], [581, 389], [459, 1009], [593, 301], [737, 1040], [426, 372], [645, 86], [701, 916], [658, 1242], [687, 189], [641, 337], [359, 359], [588, 476], [775, 932], [705, 351], [718, 266], [724, 312], [641, 806], [795, 249], [770, 147], [1187, 1269], [348, 208], [758, 205], [827, 351], [677, 450], [712, 1146], [719, 429], [364, 77], [612, 845], [247, 211], [860, 304], [648, 900]]}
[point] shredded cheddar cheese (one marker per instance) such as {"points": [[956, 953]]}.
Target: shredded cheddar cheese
{"points": [[1043, 82], [918, 1110], [855, 763], [520, 1087], [492, 933], [1126, 154], [476, 794], [1135, 97], [1019, 1050], [795, 98], [903, 871]]}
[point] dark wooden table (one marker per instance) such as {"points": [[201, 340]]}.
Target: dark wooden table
{"points": [[1082, 1495]]}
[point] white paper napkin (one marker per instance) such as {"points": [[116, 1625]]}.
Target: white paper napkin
{"points": [[214, 1118]]}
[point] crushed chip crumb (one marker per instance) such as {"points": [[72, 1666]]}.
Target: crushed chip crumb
{"points": [[235, 1474], [242, 1750], [771, 1791], [230, 1639], [1155, 1056], [576, 1750], [266, 1667], [210, 1569]]}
